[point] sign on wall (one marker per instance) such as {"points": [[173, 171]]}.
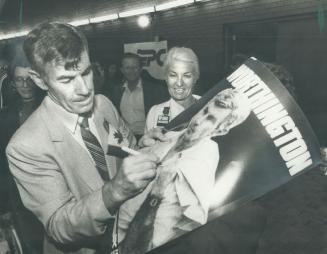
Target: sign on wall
{"points": [[152, 55]]}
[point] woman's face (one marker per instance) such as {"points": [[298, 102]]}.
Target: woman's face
{"points": [[23, 84], [180, 80]]}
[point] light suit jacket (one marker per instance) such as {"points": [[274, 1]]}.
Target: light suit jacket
{"points": [[57, 178]]}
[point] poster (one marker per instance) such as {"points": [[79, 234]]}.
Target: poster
{"points": [[243, 138], [152, 55]]}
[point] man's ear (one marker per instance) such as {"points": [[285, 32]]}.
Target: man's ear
{"points": [[37, 80]]}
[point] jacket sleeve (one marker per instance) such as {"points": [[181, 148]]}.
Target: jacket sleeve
{"points": [[45, 192]]}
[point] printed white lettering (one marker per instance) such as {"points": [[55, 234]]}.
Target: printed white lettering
{"points": [[272, 114]]}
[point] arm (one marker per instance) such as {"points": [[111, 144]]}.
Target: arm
{"points": [[66, 218], [44, 191], [150, 119], [132, 178]]}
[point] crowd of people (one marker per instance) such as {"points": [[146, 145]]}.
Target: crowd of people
{"points": [[58, 174]]}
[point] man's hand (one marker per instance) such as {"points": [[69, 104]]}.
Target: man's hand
{"points": [[132, 178], [152, 136]]}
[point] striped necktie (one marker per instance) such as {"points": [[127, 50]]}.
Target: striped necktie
{"points": [[92, 144]]}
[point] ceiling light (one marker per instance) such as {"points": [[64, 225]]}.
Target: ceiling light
{"points": [[104, 18], [136, 12], [13, 35], [143, 21], [173, 4], [80, 22]]}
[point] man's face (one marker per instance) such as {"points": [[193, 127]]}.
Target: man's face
{"points": [[112, 70], [23, 84], [72, 89], [131, 69]]}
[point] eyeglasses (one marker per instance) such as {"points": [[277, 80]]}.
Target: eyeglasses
{"points": [[19, 81]]}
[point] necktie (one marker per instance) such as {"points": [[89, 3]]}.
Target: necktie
{"points": [[92, 144]]}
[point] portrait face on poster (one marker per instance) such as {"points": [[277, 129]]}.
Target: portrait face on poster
{"points": [[243, 138]]}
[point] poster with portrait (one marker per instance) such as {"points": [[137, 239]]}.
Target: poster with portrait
{"points": [[243, 138], [152, 55]]}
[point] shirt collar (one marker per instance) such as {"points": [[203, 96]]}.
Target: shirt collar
{"points": [[175, 105], [138, 86], [70, 120]]}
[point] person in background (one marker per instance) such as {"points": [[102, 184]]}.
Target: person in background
{"points": [[59, 157], [136, 96], [181, 68], [113, 77], [6, 90], [27, 99], [98, 78]]}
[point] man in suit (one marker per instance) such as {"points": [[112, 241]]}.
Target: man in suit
{"points": [[59, 156], [136, 95]]}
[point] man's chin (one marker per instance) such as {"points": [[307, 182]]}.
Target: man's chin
{"points": [[84, 109]]}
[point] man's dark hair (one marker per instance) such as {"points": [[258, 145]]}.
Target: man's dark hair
{"points": [[18, 61], [131, 56], [57, 42]]}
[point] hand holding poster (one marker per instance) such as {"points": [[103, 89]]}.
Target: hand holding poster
{"points": [[224, 157]]}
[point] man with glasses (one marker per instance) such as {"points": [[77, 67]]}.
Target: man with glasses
{"points": [[20, 106]]}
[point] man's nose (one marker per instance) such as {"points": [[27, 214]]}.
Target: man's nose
{"points": [[81, 86], [26, 83]]}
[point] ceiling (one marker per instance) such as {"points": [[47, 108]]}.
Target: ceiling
{"points": [[26, 13]]}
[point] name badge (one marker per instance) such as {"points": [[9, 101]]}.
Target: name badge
{"points": [[163, 120]]}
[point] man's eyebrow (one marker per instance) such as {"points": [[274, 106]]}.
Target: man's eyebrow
{"points": [[65, 77], [72, 76]]}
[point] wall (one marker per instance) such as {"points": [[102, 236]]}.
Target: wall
{"points": [[202, 26], [199, 26]]}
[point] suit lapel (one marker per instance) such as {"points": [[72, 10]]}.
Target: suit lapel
{"points": [[146, 97], [72, 155], [117, 96], [102, 126]]}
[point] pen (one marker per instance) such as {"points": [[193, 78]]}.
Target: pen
{"points": [[129, 150], [121, 151]]}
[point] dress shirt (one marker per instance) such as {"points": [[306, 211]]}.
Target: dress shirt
{"points": [[132, 108]]}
